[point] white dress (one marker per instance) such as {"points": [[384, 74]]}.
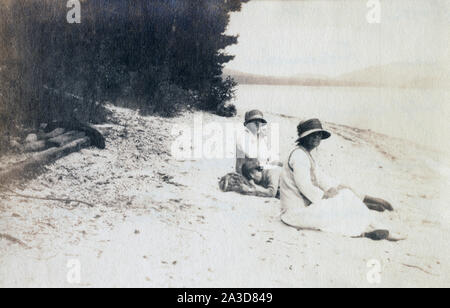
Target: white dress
{"points": [[302, 191]]}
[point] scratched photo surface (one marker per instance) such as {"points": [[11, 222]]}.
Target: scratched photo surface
{"points": [[224, 143]]}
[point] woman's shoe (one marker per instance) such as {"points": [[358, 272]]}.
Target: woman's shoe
{"points": [[377, 235], [377, 204], [374, 207]]}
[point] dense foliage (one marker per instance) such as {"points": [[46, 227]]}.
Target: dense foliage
{"points": [[161, 55]]}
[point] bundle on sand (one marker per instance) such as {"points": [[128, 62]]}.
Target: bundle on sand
{"points": [[234, 182]]}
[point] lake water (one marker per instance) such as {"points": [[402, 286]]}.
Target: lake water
{"points": [[422, 116]]}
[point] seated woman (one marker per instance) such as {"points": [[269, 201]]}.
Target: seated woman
{"points": [[263, 183], [252, 143], [311, 200]]}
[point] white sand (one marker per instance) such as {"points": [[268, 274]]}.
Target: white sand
{"points": [[149, 230]]}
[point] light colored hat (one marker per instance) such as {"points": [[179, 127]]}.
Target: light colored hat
{"points": [[312, 126], [254, 115]]}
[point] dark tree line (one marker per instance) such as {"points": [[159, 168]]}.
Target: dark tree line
{"points": [[161, 55]]}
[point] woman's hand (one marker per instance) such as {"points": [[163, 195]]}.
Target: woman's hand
{"points": [[333, 192], [276, 163]]}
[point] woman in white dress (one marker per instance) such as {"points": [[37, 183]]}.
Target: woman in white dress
{"points": [[312, 200]]}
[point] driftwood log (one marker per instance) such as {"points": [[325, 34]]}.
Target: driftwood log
{"points": [[94, 135], [58, 139], [55, 133], [66, 138], [36, 146], [40, 159]]}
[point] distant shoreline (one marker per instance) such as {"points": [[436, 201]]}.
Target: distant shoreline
{"points": [[396, 75], [326, 83], [338, 85]]}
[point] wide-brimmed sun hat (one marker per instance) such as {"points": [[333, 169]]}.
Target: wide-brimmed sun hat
{"points": [[254, 115], [309, 127]]}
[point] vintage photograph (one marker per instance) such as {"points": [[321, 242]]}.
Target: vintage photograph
{"points": [[225, 144]]}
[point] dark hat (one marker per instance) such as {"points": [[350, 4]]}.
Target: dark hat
{"points": [[312, 126], [254, 115]]}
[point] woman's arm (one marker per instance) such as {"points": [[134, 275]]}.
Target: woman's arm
{"points": [[325, 181], [265, 192], [301, 165], [259, 191]]}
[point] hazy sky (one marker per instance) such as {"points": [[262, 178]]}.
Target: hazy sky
{"points": [[331, 37]]}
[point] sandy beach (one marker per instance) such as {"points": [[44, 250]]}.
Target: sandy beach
{"points": [[162, 222]]}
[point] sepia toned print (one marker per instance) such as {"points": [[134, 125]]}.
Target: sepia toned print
{"points": [[224, 144]]}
